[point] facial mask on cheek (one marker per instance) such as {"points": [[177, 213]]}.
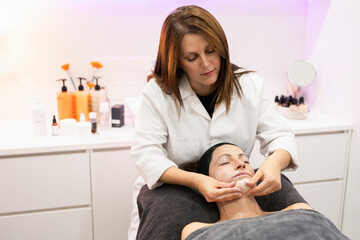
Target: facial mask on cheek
{"points": [[220, 175]]}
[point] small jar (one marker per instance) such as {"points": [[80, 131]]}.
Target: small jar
{"points": [[93, 121]]}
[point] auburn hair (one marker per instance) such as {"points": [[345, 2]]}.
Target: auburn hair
{"points": [[194, 20]]}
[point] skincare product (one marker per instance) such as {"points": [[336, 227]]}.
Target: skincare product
{"points": [[82, 101], [97, 95], [82, 128], [117, 115], [302, 106], [93, 121], [104, 116], [54, 127], [38, 118], [67, 126], [65, 103]]}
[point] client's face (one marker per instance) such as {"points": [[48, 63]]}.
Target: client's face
{"points": [[229, 163]]}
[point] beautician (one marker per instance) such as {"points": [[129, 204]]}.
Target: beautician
{"points": [[196, 98]]}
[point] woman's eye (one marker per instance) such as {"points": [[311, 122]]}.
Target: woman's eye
{"points": [[224, 163], [210, 51], [191, 59]]}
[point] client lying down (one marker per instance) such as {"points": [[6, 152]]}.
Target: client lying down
{"points": [[243, 218]]}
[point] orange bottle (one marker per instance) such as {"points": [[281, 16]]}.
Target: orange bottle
{"points": [[82, 102], [65, 103]]}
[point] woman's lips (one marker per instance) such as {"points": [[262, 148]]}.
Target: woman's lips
{"points": [[242, 174], [207, 74]]}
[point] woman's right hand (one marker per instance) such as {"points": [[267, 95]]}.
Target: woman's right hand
{"points": [[216, 191]]}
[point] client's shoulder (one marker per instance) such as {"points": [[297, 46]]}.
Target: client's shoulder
{"points": [[298, 206], [192, 227]]}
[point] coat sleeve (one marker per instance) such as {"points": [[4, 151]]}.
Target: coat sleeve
{"points": [[272, 130], [147, 150]]}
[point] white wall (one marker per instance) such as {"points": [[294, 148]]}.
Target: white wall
{"points": [[40, 37], [333, 47]]}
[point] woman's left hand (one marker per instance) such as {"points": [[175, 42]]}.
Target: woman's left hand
{"points": [[269, 174]]}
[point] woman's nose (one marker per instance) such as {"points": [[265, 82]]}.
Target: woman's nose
{"points": [[240, 164], [204, 61]]}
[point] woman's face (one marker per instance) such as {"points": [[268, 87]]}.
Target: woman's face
{"points": [[229, 163], [200, 62]]}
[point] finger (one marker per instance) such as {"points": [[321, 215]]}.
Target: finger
{"points": [[228, 197], [262, 189], [224, 191], [252, 181], [227, 185]]}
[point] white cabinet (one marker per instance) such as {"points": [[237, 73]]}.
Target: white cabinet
{"points": [[45, 196], [69, 224], [323, 155], [113, 176]]}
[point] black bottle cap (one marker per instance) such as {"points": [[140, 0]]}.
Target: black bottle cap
{"points": [[294, 101], [54, 119], [287, 104], [81, 87], [64, 88], [301, 100], [277, 99], [282, 99], [97, 86]]}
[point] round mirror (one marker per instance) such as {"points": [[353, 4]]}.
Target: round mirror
{"points": [[301, 73]]}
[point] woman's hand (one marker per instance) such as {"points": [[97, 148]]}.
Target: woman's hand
{"points": [[271, 180], [216, 191], [269, 173]]}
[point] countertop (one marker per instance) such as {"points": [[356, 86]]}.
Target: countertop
{"points": [[16, 135], [17, 138]]}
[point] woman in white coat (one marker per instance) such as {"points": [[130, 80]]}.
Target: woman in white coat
{"points": [[196, 98]]}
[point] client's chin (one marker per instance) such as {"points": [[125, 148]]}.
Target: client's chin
{"points": [[241, 183]]}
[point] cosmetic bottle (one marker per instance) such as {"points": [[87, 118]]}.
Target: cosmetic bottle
{"points": [[38, 119], [93, 121], [65, 103], [54, 127], [82, 128], [302, 106], [82, 102], [276, 100], [104, 116], [95, 99], [282, 100]]}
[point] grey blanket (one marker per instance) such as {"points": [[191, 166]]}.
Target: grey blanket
{"points": [[166, 210], [292, 224]]}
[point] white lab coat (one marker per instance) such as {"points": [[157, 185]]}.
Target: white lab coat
{"points": [[163, 138]]}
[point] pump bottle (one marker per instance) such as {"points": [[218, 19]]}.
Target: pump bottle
{"points": [[65, 103], [38, 119], [95, 97], [82, 101]]}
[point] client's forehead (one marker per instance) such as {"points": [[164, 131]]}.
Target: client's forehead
{"points": [[226, 149]]}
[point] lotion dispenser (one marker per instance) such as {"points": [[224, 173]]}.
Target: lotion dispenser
{"points": [[65, 103], [82, 101]]}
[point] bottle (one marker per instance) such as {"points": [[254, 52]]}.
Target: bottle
{"points": [[302, 106], [82, 101], [54, 127], [38, 119], [95, 99], [93, 121], [104, 116], [65, 103], [82, 128]]}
